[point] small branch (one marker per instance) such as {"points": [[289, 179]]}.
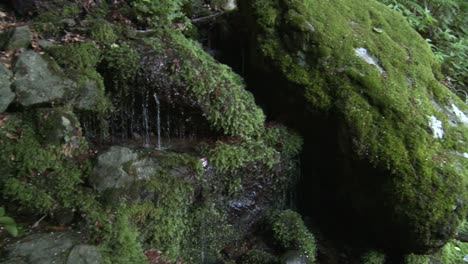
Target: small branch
{"points": [[207, 18], [38, 222]]}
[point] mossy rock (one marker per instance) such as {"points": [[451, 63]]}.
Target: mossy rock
{"points": [[15, 38], [402, 135], [6, 95]]}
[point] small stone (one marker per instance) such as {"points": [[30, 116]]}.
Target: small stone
{"points": [[84, 254]]}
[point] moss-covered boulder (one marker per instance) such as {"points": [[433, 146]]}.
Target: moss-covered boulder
{"points": [[401, 135]]}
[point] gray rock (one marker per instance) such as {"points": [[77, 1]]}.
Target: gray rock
{"points": [[16, 38], [6, 95], [57, 126], [45, 44], [84, 254], [35, 83], [294, 257], [144, 169], [109, 172], [40, 248], [89, 96]]}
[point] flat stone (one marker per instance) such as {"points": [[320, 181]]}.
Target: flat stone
{"points": [[84, 254], [41, 248]]}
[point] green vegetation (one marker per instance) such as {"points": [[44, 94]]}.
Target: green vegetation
{"points": [[122, 244], [120, 64], [80, 61], [290, 232], [453, 252], [259, 257], [45, 183], [103, 31], [418, 259], [8, 223], [443, 24], [220, 92], [373, 257], [158, 13]]}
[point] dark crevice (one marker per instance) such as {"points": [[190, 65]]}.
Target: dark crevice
{"points": [[337, 191]]}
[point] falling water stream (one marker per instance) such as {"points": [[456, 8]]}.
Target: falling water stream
{"points": [[158, 120], [146, 122]]}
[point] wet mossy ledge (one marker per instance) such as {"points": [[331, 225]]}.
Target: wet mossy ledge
{"points": [[131, 144], [401, 135]]}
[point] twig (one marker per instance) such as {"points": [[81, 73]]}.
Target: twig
{"points": [[205, 18], [38, 222]]}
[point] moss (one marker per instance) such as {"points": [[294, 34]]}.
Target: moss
{"points": [[290, 233], [232, 157], [228, 107], [208, 232], [312, 44], [453, 252], [373, 257], [47, 182], [259, 257], [416, 259], [120, 65], [80, 62], [158, 13], [102, 31], [122, 245]]}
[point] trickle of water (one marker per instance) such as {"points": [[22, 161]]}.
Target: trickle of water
{"points": [[158, 119], [146, 122]]}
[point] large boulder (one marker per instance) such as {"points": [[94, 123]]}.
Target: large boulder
{"points": [[6, 95], [399, 137], [35, 83]]}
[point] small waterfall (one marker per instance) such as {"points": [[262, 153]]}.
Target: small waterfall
{"points": [[168, 127], [146, 122], [158, 120]]}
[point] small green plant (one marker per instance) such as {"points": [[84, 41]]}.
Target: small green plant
{"points": [[290, 233], [157, 13], [8, 223], [443, 24], [256, 256], [373, 257], [416, 259]]}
